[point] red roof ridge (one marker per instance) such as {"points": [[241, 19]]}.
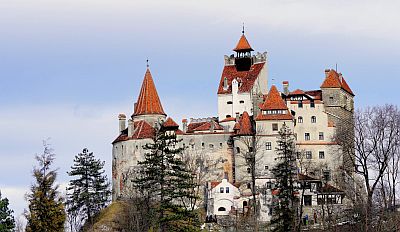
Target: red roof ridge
{"points": [[148, 101], [274, 100], [243, 45], [170, 123], [335, 80]]}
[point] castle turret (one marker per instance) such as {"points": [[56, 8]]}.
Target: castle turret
{"points": [[148, 106], [243, 51]]}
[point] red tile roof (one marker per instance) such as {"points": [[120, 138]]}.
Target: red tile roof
{"points": [[243, 45], [170, 123], [246, 79], [333, 80], [306, 177], [142, 130], [297, 92], [214, 184], [261, 117], [207, 125], [148, 101], [193, 125], [237, 126], [245, 127], [228, 119], [274, 100], [327, 188]]}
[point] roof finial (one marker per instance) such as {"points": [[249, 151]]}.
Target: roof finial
{"points": [[243, 29], [336, 67], [147, 62]]}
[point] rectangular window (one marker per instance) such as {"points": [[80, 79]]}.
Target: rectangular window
{"points": [[268, 146], [221, 190], [237, 150], [321, 200], [269, 185], [312, 104], [321, 136], [227, 190], [274, 126], [322, 155], [300, 104], [307, 200], [313, 119], [265, 167], [308, 155], [307, 136]]}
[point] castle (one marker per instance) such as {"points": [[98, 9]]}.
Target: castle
{"points": [[247, 107]]}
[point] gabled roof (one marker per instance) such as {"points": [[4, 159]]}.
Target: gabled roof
{"points": [[335, 80], [170, 123], [243, 45], [274, 100], [297, 92], [245, 127], [303, 177], [148, 101], [246, 79]]}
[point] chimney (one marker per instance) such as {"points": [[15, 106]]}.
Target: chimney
{"points": [[285, 87], [130, 128], [327, 72], [122, 121], [184, 125], [212, 126], [237, 117]]}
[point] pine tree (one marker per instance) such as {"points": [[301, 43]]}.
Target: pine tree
{"points": [[7, 222], [168, 183], [46, 208], [89, 192], [285, 173]]}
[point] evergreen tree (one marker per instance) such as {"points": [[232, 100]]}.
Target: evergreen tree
{"points": [[285, 173], [89, 192], [168, 183], [7, 222], [46, 208]]}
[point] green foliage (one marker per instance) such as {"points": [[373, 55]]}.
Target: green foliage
{"points": [[46, 208], [7, 222], [166, 181], [89, 191], [285, 173]]}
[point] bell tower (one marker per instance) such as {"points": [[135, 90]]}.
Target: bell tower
{"points": [[243, 51]]}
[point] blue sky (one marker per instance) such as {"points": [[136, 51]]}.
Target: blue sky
{"points": [[68, 68]]}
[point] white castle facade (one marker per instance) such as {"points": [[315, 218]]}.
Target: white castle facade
{"points": [[247, 107]]}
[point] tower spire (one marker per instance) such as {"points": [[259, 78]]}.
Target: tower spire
{"points": [[243, 29], [147, 63]]}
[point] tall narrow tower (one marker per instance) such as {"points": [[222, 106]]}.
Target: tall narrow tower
{"points": [[243, 54], [148, 106]]}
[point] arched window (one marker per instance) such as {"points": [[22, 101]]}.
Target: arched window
{"points": [[313, 119], [300, 119], [221, 209]]}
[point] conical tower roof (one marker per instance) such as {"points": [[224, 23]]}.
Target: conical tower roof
{"points": [[148, 101], [243, 45]]}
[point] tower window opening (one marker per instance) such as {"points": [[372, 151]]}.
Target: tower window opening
{"points": [[229, 102]]}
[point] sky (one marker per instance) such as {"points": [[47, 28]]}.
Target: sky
{"points": [[69, 67]]}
